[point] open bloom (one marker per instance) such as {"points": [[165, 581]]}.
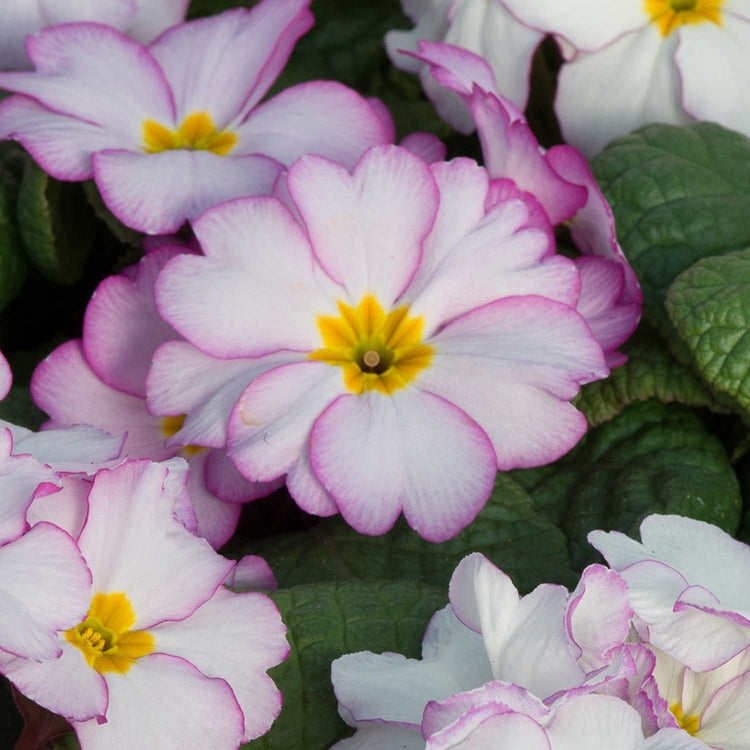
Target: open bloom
{"points": [[169, 130], [144, 20], [429, 328], [482, 26], [165, 656], [489, 652], [6, 377], [686, 602], [646, 61]]}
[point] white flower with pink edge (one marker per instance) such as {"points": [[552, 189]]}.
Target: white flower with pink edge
{"points": [[430, 328], [163, 644]]}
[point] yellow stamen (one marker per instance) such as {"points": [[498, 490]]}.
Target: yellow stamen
{"points": [[376, 351], [691, 724], [171, 426], [105, 638], [197, 133], [670, 14]]}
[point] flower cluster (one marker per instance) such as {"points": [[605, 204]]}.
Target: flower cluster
{"points": [[652, 653]]}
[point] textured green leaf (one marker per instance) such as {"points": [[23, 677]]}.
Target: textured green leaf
{"points": [[650, 372], [124, 234], [53, 222], [508, 531], [678, 195], [652, 458], [709, 305], [19, 408], [325, 621]]}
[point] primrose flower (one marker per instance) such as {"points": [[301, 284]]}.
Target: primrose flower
{"points": [[429, 329], [686, 604], [489, 648], [168, 130], [486, 28], [6, 377], [163, 645], [143, 20], [646, 61], [101, 381]]}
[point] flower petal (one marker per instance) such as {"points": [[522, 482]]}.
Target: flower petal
{"points": [[151, 18], [378, 454], [367, 229], [158, 193]]}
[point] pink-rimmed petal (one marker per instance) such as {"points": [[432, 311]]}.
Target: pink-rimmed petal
{"points": [[67, 508], [525, 638], [164, 702], [592, 722], [224, 64], [272, 420], [598, 616], [587, 24], [610, 320], [115, 13], [499, 257], [70, 392], [255, 292], [411, 450], [319, 117], [61, 145], [438, 716], [216, 519], [674, 739], [490, 725], [725, 722], [133, 543], [94, 73], [153, 16], [6, 377], [184, 380], [513, 366], [19, 478], [426, 146], [306, 488], [17, 20], [224, 481], [367, 228], [385, 117], [158, 193], [236, 637], [122, 327], [377, 735], [45, 588], [66, 685], [593, 226], [251, 572], [710, 59], [609, 93], [432, 21]]}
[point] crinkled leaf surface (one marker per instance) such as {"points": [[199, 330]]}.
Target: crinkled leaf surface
{"points": [[325, 621], [652, 458], [709, 305], [678, 194], [14, 266], [523, 543], [650, 372]]}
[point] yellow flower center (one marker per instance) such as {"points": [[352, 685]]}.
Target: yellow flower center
{"points": [[669, 14], [171, 426], [690, 724], [197, 133], [377, 351], [105, 637]]}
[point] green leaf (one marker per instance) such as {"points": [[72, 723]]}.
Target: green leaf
{"points": [[650, 372], [19, 408], [13, 264], [325, 621], [53, 223], [124, 234], [709, 305], [508, 531], [652, 458], [678, 195]]}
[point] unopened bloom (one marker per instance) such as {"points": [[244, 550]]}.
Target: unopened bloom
{"points": [[163, 645], [169, 130], [429, 328], [641, 61], [686, 582], [481, 26]]}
